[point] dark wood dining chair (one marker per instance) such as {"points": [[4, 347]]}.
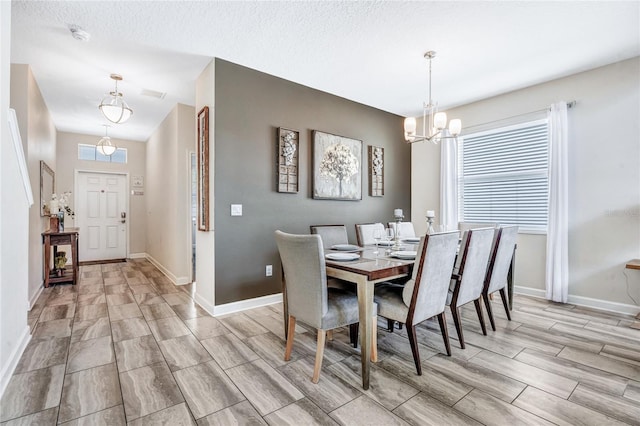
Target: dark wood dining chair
{"points": [[308, 298], [467, 280], [424, 295], [504, 244]]}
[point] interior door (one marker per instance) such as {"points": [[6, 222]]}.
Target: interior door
{"points": [[102, 216]]}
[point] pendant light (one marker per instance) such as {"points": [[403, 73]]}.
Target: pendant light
{"points": [[113, 106], [105, 146]]}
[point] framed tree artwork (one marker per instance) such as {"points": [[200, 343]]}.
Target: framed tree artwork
{"points": [[337, 167], [376, 171], [203, 169], [288, 148]]}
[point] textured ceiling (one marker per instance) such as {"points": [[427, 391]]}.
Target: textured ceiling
{"points": [[367, 51]]}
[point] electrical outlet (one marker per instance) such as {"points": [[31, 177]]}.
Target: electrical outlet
{"points": [[268, 271]]}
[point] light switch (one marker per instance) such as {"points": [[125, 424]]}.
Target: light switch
{"points": [[236, 209]]}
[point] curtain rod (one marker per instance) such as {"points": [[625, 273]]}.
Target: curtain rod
{"points": [[570, 104]]}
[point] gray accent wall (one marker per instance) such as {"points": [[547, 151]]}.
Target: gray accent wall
{"points": [[249, 108]]}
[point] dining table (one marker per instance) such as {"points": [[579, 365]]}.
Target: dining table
{"points": [[365, 271], [373, 265]]}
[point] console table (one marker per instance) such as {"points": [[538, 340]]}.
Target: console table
{"points": [[51, 239]]}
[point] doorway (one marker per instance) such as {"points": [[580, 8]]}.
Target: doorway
{"points": [[101, 215]]}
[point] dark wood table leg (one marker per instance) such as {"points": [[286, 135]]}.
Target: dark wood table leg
{"points": [[285, 305]]}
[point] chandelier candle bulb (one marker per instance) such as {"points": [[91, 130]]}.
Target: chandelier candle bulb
{"points": [[455, 126], [440, 120]]}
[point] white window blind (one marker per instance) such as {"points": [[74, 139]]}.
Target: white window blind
{"points": [[503, 176]]}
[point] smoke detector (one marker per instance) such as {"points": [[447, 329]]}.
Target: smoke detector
{"points": [[78, 33]]}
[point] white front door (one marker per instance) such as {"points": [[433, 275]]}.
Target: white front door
{"points": [[102, 216]]}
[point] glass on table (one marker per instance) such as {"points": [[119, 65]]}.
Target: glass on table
{"points": [[389, 235], [377, 235]]}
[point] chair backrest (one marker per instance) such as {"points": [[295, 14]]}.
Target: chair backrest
{"points": [[364, 232], [504, 243], [426, 292], [406, 229], [465, 226], [472, 263], [331, 234], [305, 273]]}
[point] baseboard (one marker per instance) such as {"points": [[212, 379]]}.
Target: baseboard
{"points": [[175, 280], [204, 304], [605, 305], [137, 255], [243, 305], [12, 363], [37, 294]]}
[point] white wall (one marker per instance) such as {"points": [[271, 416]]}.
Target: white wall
{"points": [[68, 163], [14, 227], [168, 213], [604, 181], [39, 141], [205, 241]]}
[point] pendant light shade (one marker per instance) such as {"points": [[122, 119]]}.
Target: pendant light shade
{"points": [[113, 106], [105, 146]]}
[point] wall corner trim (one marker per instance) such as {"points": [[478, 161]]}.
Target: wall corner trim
{"points": [[34, 298]]}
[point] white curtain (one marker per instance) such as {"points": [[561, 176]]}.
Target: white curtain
{"points": [[557, 269], [449, 183]]}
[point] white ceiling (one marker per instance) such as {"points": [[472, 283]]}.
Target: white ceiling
{"points": [[367, 51]]}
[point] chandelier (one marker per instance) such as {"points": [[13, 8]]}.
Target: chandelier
{"points": [[114, 108], [437, 121], [105, 146]]}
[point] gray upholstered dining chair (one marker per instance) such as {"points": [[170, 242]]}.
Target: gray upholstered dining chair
{"points": [[331, 234], [308, 298], [466, 226], [364, 232], [406, 229], [467, 280], [425, 294], [504, 244]]}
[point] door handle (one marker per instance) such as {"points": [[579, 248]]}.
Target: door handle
{"points": [[123, 215]]}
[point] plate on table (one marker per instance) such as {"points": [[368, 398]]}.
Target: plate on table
{"points": [[345, 247], [412, 240], [342, 256], [405, 254], [386, 243]]}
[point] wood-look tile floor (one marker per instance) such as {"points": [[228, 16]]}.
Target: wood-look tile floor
{"points": [[125, 346]]}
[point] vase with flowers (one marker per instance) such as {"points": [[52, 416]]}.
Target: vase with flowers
{"points": [[58, 207]]}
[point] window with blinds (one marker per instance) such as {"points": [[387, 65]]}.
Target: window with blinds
{"points": [[90, 153], [503, 176]]}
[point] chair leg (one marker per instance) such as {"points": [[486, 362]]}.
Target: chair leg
{"points": [[503, 295], [442, 319], [456, 321], [480, 316], [411, 332], [353, 334], [319, 354], [487, 304], [374, 340], [390, 325], [292, 327], [329, 335]]}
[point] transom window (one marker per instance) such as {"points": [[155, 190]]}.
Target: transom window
{"points": [[90, 153], [503, 176]]}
